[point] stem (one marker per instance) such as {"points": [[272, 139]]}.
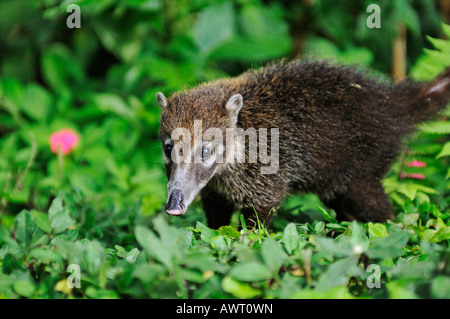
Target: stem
{"points": [[19, 183], [60, 166], [399, 54]]}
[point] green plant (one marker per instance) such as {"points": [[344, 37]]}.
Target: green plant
{"points": [[100, 205]]}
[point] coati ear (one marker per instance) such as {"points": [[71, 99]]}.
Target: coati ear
{"points": [[161, 99], [234, 105]]}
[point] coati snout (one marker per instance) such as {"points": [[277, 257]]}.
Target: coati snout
{"points": [[339, 132], [175, 205]]}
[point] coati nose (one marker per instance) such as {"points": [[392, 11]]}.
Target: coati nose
{"points": [[174, 205]]}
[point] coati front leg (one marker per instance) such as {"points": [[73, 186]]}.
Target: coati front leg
{"points": [[364, 201], [218, 209], [263, 214], [263, 203]]}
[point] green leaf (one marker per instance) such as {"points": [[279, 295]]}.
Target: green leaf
{"points": [[438, 233], [101, 293], [46, 255], [389, 247], [445, 150], [377, 231], [61, 221], [437, 127], [250, 271], [400, 290], [338, 273], [132, 255], [410, 190], [191, 275], [291, 238], [24, 288], [440, 44], [25, 229], [408, 219], [408, 16], [207, 234], [108, 102], [228, 231], [169, 235], [338, 247], [273, 254], [41, 220], [153, 245], [219, 243], [265, 36], [214, 26], [55, 207], [252, 49], [59, 216], [440, 287], [239, 289], [60, 68], [36, 102], [358, 238], [92, 259]]}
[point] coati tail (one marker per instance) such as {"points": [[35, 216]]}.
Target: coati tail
{"points": [[430, 99], [439, 88]]}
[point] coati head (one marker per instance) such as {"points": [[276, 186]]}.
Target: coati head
{"points": [[193, 136]]}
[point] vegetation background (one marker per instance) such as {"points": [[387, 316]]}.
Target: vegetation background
{"points": [[100, 206]]}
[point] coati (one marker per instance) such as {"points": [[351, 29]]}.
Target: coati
{"points": [[338, 133]]}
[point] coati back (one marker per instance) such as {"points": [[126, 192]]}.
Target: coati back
{"points": [[337, 133]]}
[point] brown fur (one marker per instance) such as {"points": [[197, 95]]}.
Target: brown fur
{"points": [[339, 133]]}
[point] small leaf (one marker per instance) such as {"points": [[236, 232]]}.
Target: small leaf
{"points": [[439, 233], [250, 271], [207, 234], [41, 220], [45, 255], [440, 287], [228, 231], [55, 207], [273, 254], [214, 26], [336, 247], [25, 229], [388, 247], [291, 238], [408, 219], [437, 127], [445, 150], [108, 102], [239, 289], [61, 220], [338, 273], [132, 255], [377, 231], [24, 288], [153, 245]]}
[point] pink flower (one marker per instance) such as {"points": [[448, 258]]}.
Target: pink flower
{"points": [[416, 163], [412, 175], [64, 140]]}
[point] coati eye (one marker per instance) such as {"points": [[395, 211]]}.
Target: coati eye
{"points": [[206, 152], [168, 150]]}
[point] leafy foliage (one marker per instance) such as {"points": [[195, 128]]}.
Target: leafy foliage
{"points": [[300, 261], [99, 207]]}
